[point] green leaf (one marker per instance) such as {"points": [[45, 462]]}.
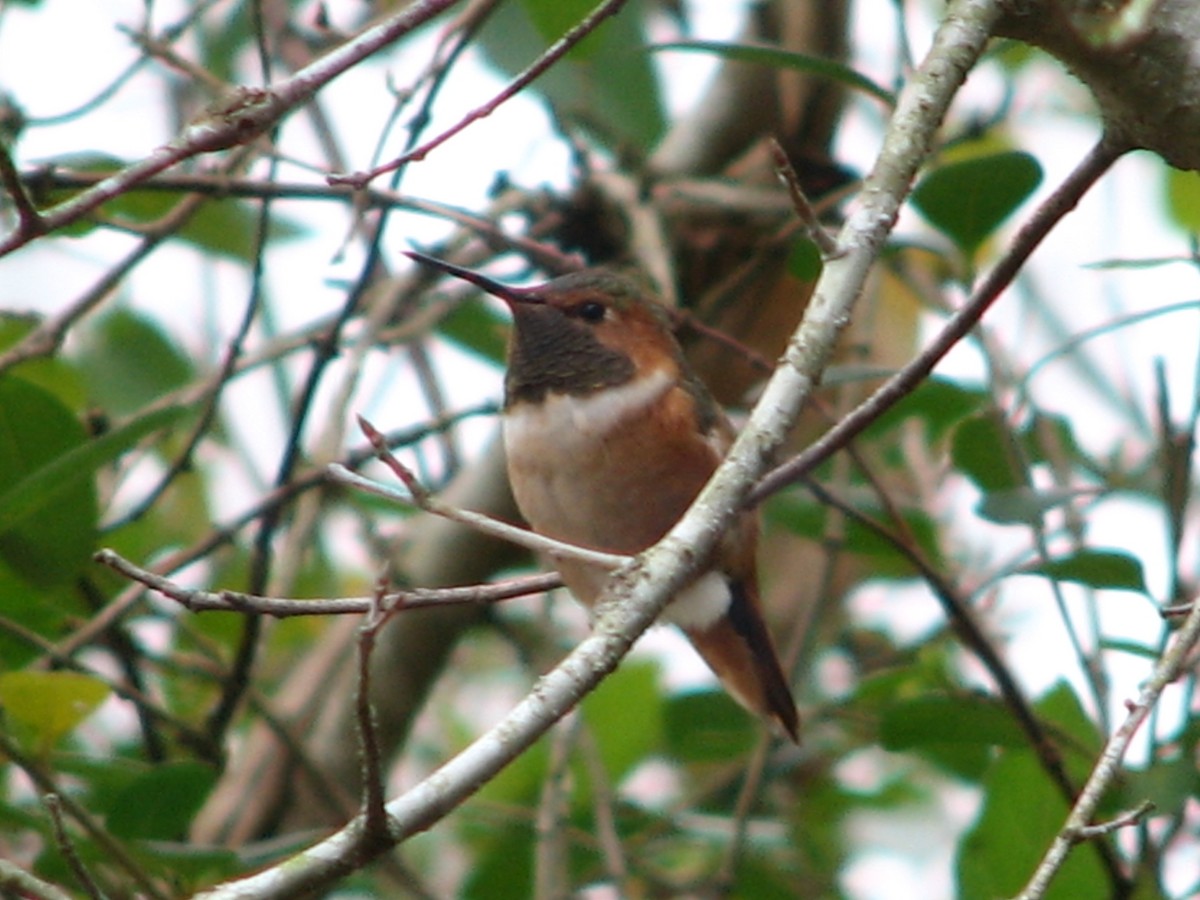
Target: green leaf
{"points": [[606, 84], [46, 610], [477, 329], [968, 200], [707, 726], [48, 510], [37, 494], [956, 732], [1183, 199], [937, 402], [51, 704], [634, 685], [776, 58], [981, 448], [160, 805], [1111, 569], [809, 519], [940, 719], [1021, 813], [131, 362], [804, 260], [1168, 785], [1022, 505], [49, 372]]}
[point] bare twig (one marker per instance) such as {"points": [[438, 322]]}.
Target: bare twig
{"points": [[554, 53], [245, 114], [66, 847], [14, 878], [107, 844], [825, 241], [420, 496], [1124, 820], [373, 810], [285, 607], [551, 870], [1058, 204], [1108, 766]]}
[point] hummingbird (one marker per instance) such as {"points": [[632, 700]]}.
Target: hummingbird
{"points": [[610, 436]]}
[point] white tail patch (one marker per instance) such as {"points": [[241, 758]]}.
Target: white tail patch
{"points": [[700, 604]]}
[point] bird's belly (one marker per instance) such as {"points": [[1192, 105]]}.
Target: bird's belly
{"points": [[573, 464]]}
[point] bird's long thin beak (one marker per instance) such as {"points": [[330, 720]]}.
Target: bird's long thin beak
{"points": [[505, 292]]}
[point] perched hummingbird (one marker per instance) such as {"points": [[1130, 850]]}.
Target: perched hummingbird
{"points": [[610, 436]]}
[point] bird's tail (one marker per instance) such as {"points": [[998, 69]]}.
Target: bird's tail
{"points": [[739, 649]]}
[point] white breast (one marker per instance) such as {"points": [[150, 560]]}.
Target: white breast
{"points": [[562, 422]]}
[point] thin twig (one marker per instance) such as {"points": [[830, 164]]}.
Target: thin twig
{"points": [[1058, 204], [420, 496], [1124, 820], [555, 52], [245, 114], [825, 241], [107, 844], [66, 847], [14, 878], [374, 812], [287, 607], [1168, 668], [551, 879]]}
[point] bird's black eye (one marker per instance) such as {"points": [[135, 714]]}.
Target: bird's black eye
{"points": [[591, 311]]}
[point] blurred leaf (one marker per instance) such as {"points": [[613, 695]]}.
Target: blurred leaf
{"points": [[477, 329], [1109, 569], [39, 493], [633, 689], [1133, 648], [804, 260], [807, 518], [936, 402], [51, 704], [503, 868], [161, 804], [1023, 505], [958, 733], [606, 83], [1060, 706], [981, 448], [937, 719], [191, 866], [969, 199], [1170, 786], [1051, 439], [1183, 199], [46, 610], [707, 726], [132, 362], [1021, 813], [777, 58], [49, 372], [47, 508]]}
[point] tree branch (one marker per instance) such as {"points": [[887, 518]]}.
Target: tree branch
{"points": [[1078, 825]]}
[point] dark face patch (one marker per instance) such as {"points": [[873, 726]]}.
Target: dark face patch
{"points": [[553, 352]]}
